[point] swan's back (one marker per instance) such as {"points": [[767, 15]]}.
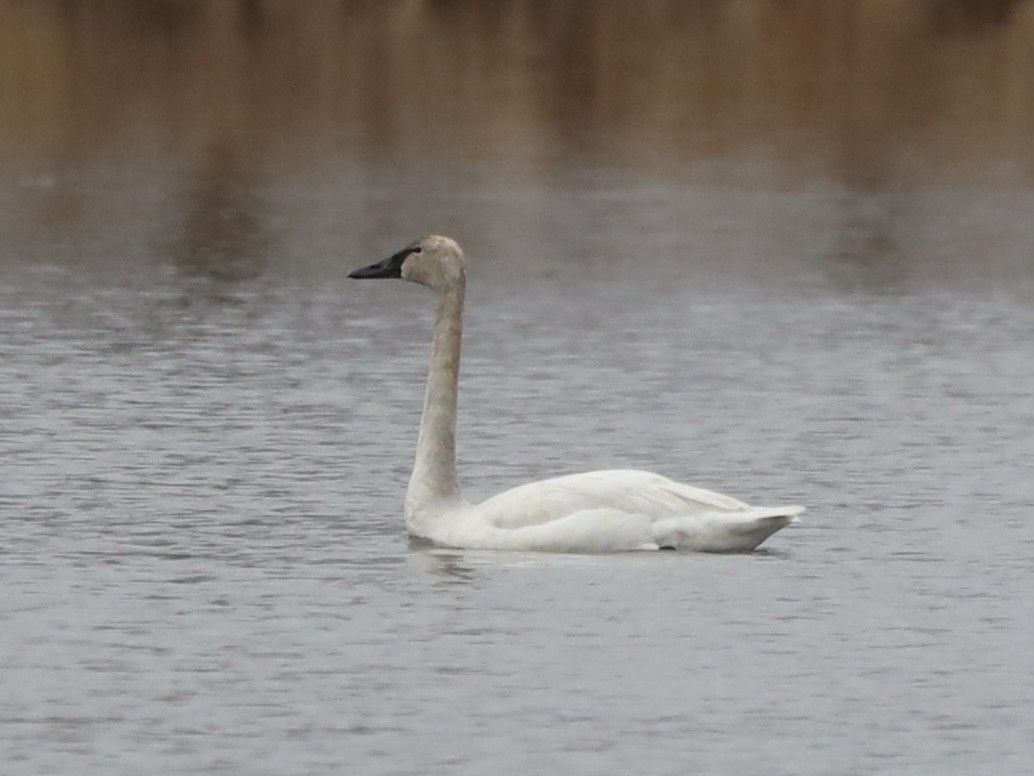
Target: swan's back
{"points": [[624, 490]]}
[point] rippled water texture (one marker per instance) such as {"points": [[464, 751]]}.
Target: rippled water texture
{"points": [[782, 250]]}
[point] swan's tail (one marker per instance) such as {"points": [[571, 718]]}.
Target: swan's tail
{"points": [[789, 514], [739, 531]]}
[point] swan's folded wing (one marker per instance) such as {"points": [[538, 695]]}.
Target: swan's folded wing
{"points": [[629, 491]]}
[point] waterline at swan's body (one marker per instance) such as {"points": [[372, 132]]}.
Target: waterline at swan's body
{"points": [[602, 511]]}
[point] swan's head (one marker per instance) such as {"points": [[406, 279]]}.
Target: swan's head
{"points": [[435, 261]]}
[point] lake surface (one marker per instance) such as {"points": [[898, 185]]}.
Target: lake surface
{"points": [[772, 249]]}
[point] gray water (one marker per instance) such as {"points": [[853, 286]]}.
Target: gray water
{"points": [[206, 429]]}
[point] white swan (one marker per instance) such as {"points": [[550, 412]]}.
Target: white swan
{"points": [[602, 511]]}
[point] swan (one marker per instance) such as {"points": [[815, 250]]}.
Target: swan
{"points": [[600, 511]]}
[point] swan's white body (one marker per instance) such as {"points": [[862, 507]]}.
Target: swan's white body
{"points": [[601, 511]]}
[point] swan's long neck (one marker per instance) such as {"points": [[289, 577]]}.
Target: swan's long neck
{"points": [[433, 485]]}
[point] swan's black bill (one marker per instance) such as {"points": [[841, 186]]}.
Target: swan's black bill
{"points": [[391, 267]]}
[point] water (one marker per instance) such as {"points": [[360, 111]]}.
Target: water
{"points": [[206, 429]]}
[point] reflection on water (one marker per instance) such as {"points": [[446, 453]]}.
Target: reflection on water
{"points": [[195, 126], [867, 246], [224, 234]]}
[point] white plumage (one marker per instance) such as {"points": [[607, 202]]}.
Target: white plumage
{"points": [[601, 511]]}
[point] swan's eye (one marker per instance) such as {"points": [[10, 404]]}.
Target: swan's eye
{"points": [[416, 249]]}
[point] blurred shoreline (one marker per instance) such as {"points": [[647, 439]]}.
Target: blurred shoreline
{"points": [[221, 135], [948, 82]]}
